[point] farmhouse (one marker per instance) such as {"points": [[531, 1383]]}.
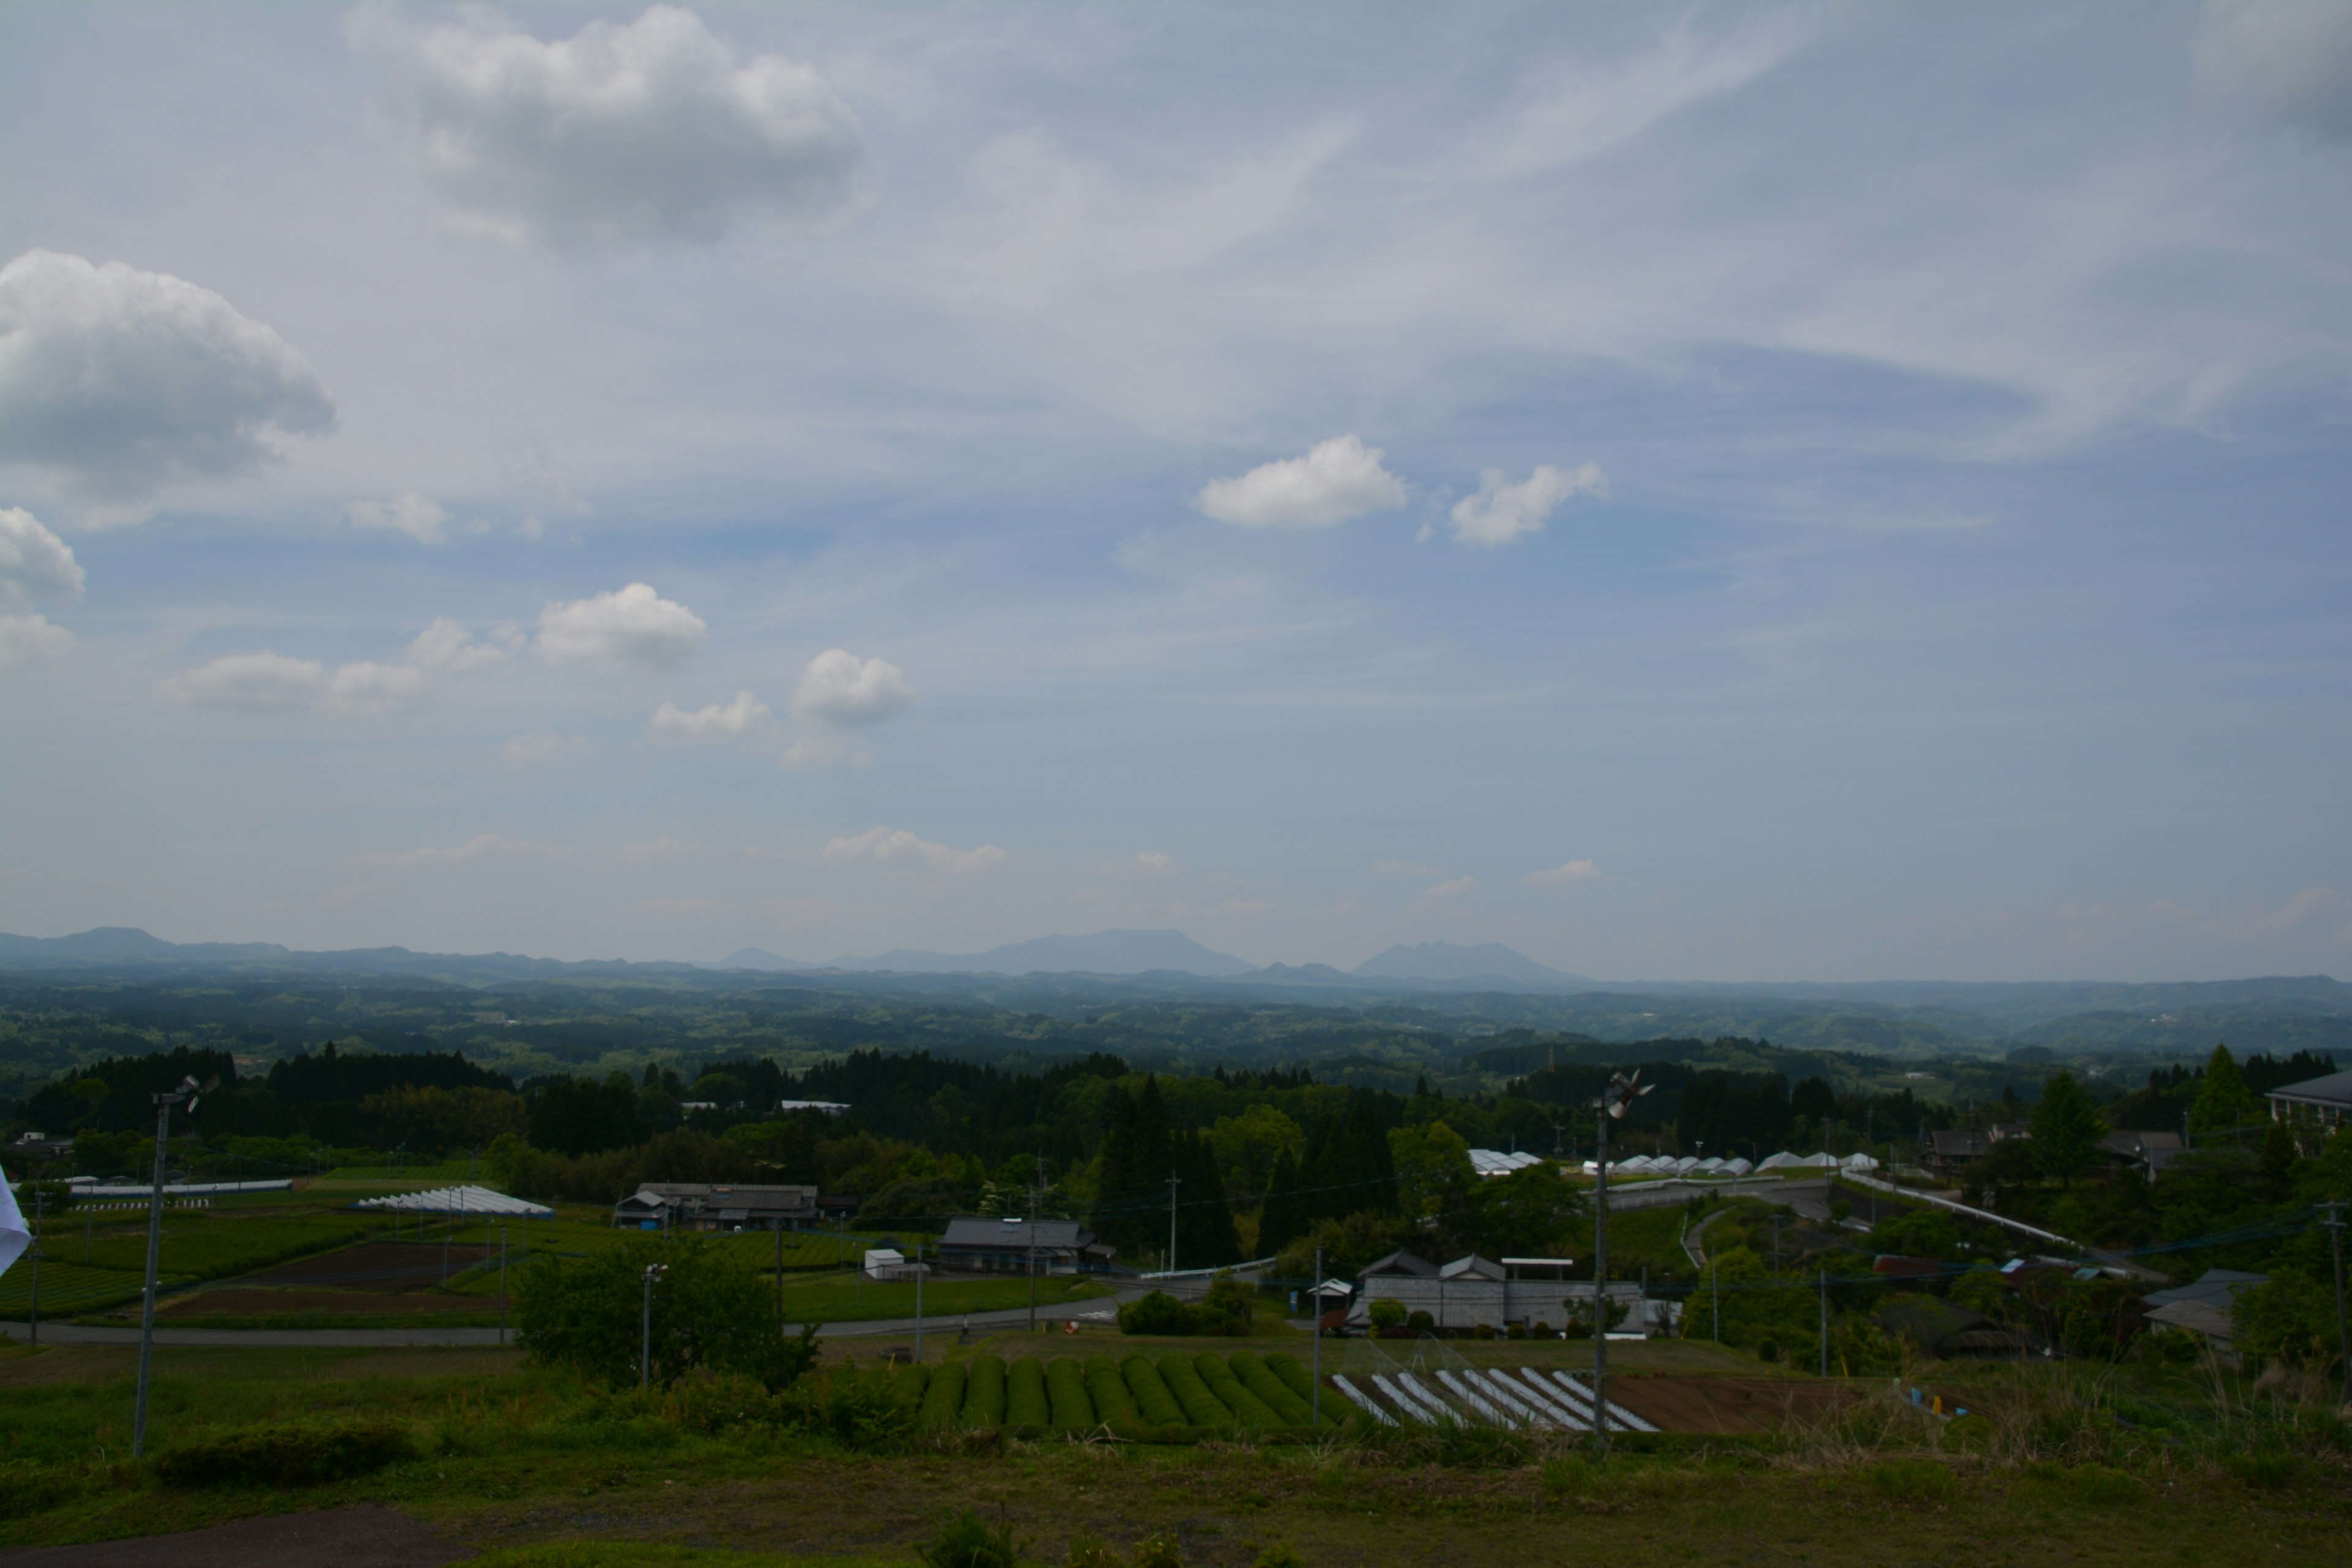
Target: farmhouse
{"points": [[1008, 1245], [708, 1205], [2323, 1100], [1471, 1290]]}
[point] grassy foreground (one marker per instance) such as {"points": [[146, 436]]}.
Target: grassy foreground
{"points": [[541, 1472]]}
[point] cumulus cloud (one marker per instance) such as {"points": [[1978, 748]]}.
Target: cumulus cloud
{"points": [[1453, 889], [541, 747], [662, 848], [1573, 872], [449, 648], [2296, 909], [634, 626], [116, 381], [421, 517], [482, 846], [838, 691], [271, 682], [26, 638], [34, 565], [650, 130], [719, 722], [2291, 61], [1339, 479], [1501, 511], [1153, 861], [892, 845]]}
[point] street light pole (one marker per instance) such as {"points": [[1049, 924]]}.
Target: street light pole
{"points": [[645, 1333], [186, 1093], [1616, 1099], [1315, 1307], [2335, 1223]]}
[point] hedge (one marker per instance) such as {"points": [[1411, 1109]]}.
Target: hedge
{"points": [[1113, 1403], [1153, 1403], [286, 1456], [1250, 1368], [943, 1399], [1202, 1408], [1025, 1394], [909, 1383], [983, 1392], [1066, 1390], [1253, 1412]]}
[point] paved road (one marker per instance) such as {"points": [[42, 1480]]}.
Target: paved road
{"points": [[79, 1334]]}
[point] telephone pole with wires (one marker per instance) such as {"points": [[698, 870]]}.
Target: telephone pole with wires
{"points": [[1615, 1100], [1173, 1182], [2334, 1224]]}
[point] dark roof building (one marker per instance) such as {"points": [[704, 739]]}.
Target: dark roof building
{"points": [[2325, 1100], [1949, 1150], [1010, 1243], [2204, 1305], [713, 1205], [1948, 1330], [2148, 1152]]}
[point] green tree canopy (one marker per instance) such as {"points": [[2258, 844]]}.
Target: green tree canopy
{"points": [[2224, 1103], [710, 1309], [2066, 1128]]}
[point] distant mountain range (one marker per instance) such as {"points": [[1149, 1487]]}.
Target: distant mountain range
{"points": [[1495, 966], [1105, 953]]}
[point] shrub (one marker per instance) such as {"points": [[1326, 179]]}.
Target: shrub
{"points": [[1159, 1313], [1230, 1392], [966, 1540], [1201, 1408], [1420, 1322], [286, 1456], [1278, 1555], [1386, 1313], [1516, 1331], [1158, 1552], [983, 1392], [1541, 1330], [1025, 1394], [1153, 1401], [1768, 1349], [943, 1399], [1107, 1390], [1228, 1307], [1250, 1369], [1086, 1552], [1483, 1331], [1295, 1378], [1066, 1391], [1911, 1480], [861, 1410]]}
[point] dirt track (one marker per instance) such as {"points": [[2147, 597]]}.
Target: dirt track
{"points": [[342, 1537], [280, 1303]]}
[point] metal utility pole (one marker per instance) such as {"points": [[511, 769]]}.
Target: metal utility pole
{"points": [[39, 1197], [1615, 1100], [1825, 1321], [645, 1333], [779, 1270], [1035, 1198], [919, 1301], [185, 1094], [2335, 1223], [1316, 1307], [1173, 1180], [503, 1281]]}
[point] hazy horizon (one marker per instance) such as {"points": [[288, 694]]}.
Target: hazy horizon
{"points": [[1793, 493]]}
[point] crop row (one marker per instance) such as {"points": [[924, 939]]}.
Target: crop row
{"points": [[1261, 1393]]}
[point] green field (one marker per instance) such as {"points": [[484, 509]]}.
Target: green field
{"points": [[533, 1465]]}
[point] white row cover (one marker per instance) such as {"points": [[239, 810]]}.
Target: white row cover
{"points": [[1668, 1165], [459, 1200], [1495, 1162]]}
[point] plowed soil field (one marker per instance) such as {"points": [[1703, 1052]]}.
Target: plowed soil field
{"points": [[277, 1303], [384, 1265], [1726, 1403]]}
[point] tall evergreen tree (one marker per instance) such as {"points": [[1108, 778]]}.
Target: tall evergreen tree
{"points": [[2066, 1128], [2224, 1103], [1205, 1237], [1279, 1222], [1130, 1209]]}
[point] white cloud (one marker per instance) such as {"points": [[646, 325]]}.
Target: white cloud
{"points": [[481, 846], [34, 565], [648, 129], [1501, 511], [816, 751], [2296, 909], [24, 638], [662, 848], [448, 646], [1339, 479], [421, 517], [1153, 861], [838, 691], [271, 682], [117, 381], [1449, 890], [634, 626], [2291, 59], [1565, 876], [541, 747], [888, 845], [717, 722]]}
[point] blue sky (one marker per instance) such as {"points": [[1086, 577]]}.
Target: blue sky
{"points": [[1731, 493]]}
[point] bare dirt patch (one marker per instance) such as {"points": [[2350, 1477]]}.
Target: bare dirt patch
{"points": [[1726, 1403], [339, 1538], [379, 1266]]}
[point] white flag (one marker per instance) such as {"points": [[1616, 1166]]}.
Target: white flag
{"points": [[13, 1237]]}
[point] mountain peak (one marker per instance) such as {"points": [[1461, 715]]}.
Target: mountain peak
{"points": [[1450, 961]]}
